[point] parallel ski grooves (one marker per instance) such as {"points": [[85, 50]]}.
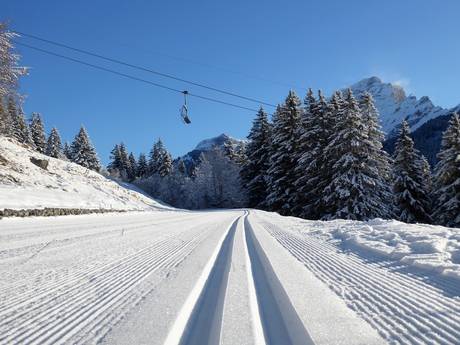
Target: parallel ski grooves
{"points": [[401, 307], [81, 277], [273, 302], [205, 323], [85, 302]]}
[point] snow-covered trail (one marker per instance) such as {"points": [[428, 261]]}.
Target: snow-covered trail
{"points": [[225, 277], [74, 287], [404, 308], [240, 299]]}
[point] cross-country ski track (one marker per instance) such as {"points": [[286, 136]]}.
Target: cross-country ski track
{"points": [[212, 277]]}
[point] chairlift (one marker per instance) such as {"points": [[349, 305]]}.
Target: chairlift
{"points": [[184, 110]]}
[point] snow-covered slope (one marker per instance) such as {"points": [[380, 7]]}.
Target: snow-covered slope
{"points": [[394, 105], [24, 185]]}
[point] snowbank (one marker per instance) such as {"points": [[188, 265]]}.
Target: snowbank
{"points": [[23, 185], [432, 248], [428, 247]]}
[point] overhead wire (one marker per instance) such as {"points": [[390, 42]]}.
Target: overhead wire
{"points": [[125, 75], [141, 68]]}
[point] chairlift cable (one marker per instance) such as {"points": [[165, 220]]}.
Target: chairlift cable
{"points": [[81, 62], [144, 69]]}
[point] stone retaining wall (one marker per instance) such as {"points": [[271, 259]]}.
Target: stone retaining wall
{"points": [[53, 211]]}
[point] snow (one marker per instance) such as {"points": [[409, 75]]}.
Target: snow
{"points": [[394, 106], [431, 248], [428, 247], [208, 144], [229, 277], [407, 305], [24, 185]]}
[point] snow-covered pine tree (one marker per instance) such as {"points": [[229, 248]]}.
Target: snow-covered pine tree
{"points": [[10, 72], [125, 165], [229, 150], [356, 188], [67, 151], [83, 152], [447, 177], [302, 147], [115, 165], [154, 157], [160, 160], [311, 172], [142, 166], [165, 165], [377, 157], [410, 191], [235, 153], [132, 172], [254, 171], [281, 176], [5, 121], [427, 177], [37, 131], [181, 167], [54, 145], [20, 131]]}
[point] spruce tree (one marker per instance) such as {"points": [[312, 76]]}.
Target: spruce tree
{"points": [[427, 177], [160, 160], [165, 164], [132, 172], [67, 151], [357, 189], [142, 166], [235, 153], [125, 166], [447, 177], [54, 145], [254, 171], [181, 167], [37, 131], [281, 181], [229, 150], [410, 190], [20, 131], [83, 152], [378, 157], [155, 157], [312, 176], [115, 161], [6, 125]]}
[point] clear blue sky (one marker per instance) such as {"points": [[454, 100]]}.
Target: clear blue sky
{"points": [[298, 44]]}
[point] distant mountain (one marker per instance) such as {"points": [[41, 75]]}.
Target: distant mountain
{"points": [[427, 138], [426, 120], [394, 106], [191, 159]]}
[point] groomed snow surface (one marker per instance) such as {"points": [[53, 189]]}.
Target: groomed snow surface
{"points": [[224, 277]]}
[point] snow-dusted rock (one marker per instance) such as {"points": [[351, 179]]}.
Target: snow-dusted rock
{"points": [[394, 105]]}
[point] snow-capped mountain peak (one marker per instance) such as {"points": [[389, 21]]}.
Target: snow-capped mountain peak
{"points": [[394, 106], [205, 145], [220, 140]]}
